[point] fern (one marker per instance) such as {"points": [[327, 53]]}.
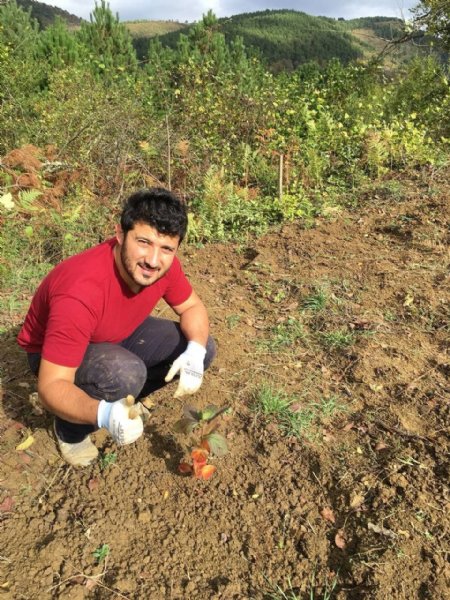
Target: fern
{"points": [[27, 197]]}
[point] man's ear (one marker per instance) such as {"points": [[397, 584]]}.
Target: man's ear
{"points": [[119, 234]]}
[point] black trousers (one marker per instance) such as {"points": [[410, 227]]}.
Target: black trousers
{"points": [[136, 366]]}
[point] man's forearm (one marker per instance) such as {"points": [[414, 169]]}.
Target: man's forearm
{"points": [[194, 324], [69, 402]]}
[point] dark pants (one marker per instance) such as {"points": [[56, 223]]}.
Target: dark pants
{"points": [[136, 366]]}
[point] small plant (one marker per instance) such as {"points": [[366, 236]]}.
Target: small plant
{"points": [[101, 553], [316, 302], [107, 459], [338, 340], [283, 335], [202, 426]]}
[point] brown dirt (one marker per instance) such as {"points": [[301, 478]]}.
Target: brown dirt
{"points": [[354, 507]]}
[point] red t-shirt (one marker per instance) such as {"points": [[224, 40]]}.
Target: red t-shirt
{"points": [[85, 300]]}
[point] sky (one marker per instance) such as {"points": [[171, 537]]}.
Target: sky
{"points": [[192, 11]]}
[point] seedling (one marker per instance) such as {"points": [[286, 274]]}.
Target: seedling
{"points": [[202, 427], [107, 459], [101, 553]]}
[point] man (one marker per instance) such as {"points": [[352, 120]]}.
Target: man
{"points": [[89, 336]]}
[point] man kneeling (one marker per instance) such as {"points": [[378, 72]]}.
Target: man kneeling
{"points": [[90, 339]]}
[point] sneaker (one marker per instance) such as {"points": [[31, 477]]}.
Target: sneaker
{"points": [[80, 454]]}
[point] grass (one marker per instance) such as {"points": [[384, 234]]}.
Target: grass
{"points": [[294, 416], [316, 301], [282, 336], [338, 339], [270, 401], [326, 593]]}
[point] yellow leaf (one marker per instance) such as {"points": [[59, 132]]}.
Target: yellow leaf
{"points": [[5, 586], [166, 495], [26, 444], [409, 299]]}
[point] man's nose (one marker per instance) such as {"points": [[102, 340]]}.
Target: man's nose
{"points": [[153, 257]]}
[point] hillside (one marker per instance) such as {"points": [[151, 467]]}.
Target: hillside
{"points": [[45, 14], [284, 39]]}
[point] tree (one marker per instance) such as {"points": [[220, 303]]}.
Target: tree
{"points": [[434, 17], [56, 46], [108, 43]]}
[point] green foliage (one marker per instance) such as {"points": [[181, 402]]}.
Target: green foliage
{"points": [[107, 43], [294, 415], [57, 47], [205, 118], [101, 553], [434, 16], [107, 460]]}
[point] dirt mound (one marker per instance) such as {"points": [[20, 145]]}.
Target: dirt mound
{"points": [[342, 497]]}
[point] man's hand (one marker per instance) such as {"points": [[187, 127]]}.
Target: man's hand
{"points": [[115, 416], [190, 365]]}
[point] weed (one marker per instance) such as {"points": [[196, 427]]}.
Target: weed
{"points": [[283, 335], [101, 553], [232, 321], [338, 339], [107, 459], [316, 301], [294, 416], [270, 401]]}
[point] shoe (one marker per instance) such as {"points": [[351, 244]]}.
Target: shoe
{"points": [[80, 454]]}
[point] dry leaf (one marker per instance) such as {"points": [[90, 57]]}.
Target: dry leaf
{"points": [[328, 514], [90, 583], [349, 426], [26, 444], [380, 446], [357, 500], [409, 299], [93, 484], [7, 504], [5, 586], [382, 530], [340, 540]]}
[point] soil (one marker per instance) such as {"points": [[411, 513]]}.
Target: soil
{"points": [[353, 504]]}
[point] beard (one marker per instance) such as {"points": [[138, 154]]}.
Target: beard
{"points": [[141, 273]]}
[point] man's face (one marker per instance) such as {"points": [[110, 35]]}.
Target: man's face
{"points": [[144, 255]]}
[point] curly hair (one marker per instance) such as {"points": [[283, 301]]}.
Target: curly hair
{"points": [[157, 207]]}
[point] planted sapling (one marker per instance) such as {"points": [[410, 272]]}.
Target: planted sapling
{"points": [[202, 427]]}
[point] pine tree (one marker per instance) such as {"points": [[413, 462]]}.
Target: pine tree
{"points": [[108, 43], [57, 47]]}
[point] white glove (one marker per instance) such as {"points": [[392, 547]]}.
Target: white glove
{"points": [[190, 366], [115, 417]]}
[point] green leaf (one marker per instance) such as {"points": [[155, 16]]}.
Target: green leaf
{"points": [[209, 412], [217, 444], [28, 231]]}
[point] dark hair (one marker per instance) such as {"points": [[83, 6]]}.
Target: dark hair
{"points": [[157, 207]]}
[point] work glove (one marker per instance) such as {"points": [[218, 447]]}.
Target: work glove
{"points": [[124, 427], [190, 366]]}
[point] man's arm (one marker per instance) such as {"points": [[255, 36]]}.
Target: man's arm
{"points": [[62, 397], [194, 321], [190, 364]]}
